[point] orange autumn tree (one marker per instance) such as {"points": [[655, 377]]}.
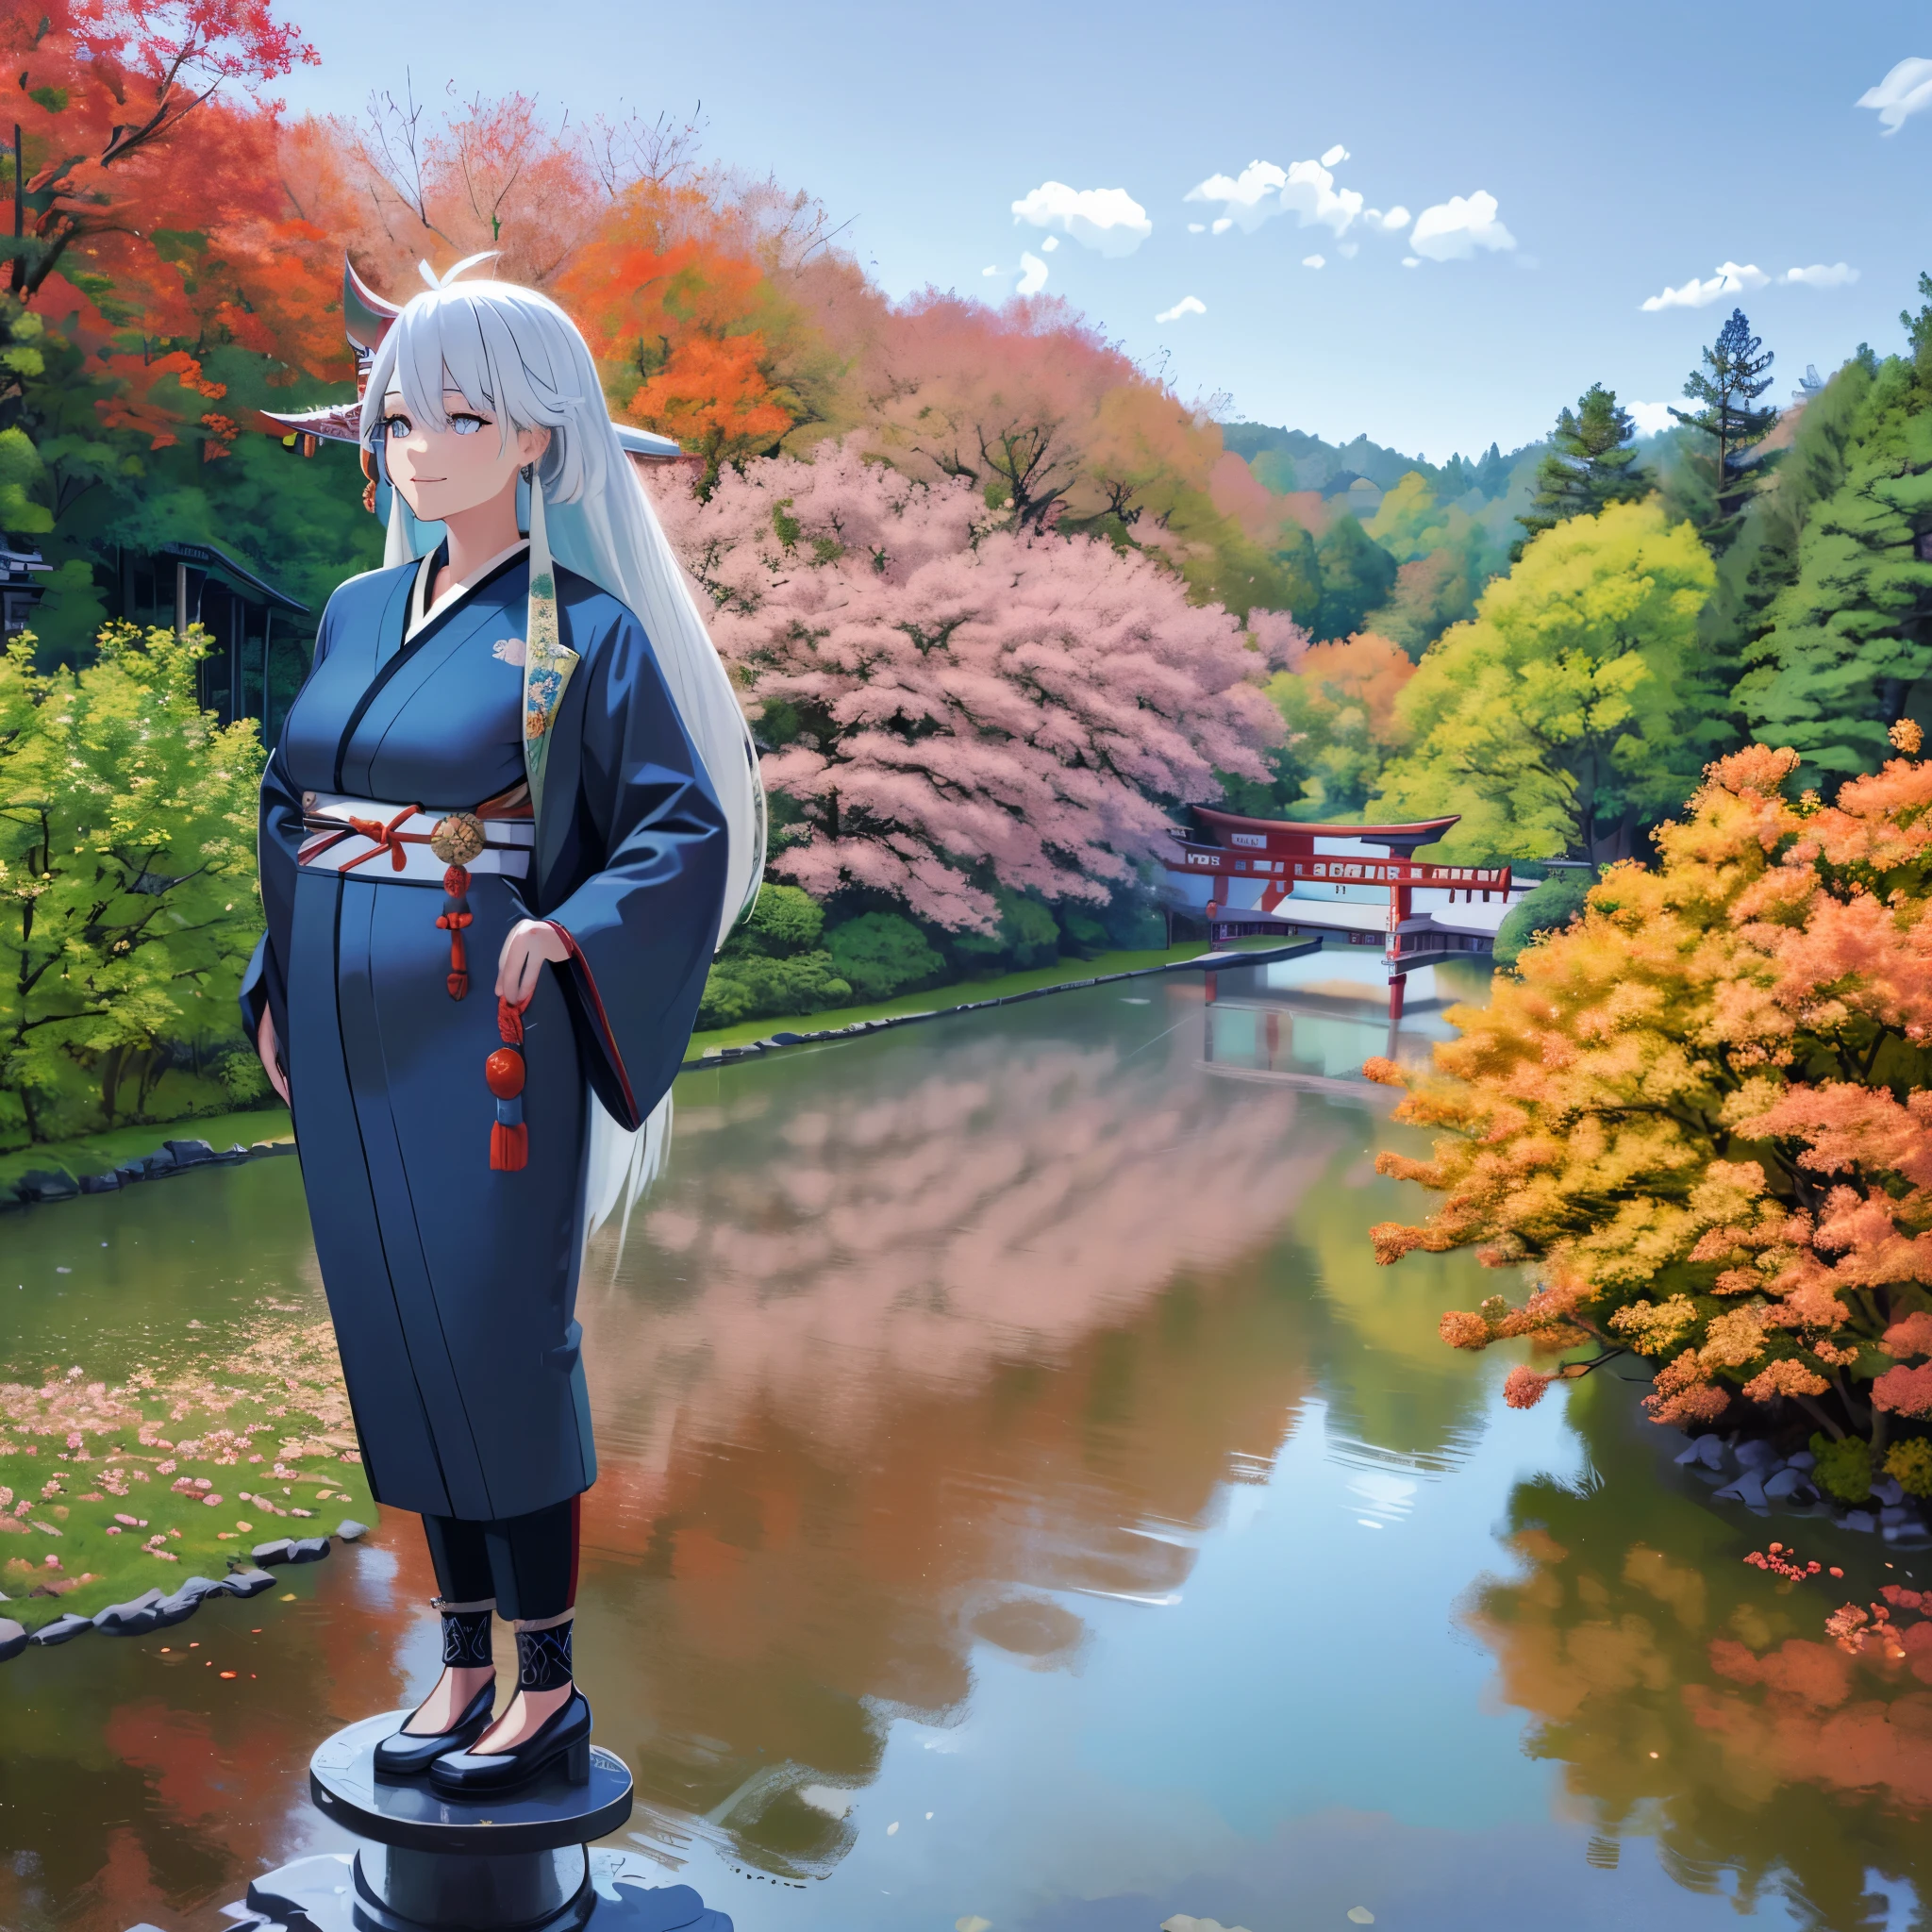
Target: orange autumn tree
{"points": [[153, 218], [681, 294], [1702, 1118]]}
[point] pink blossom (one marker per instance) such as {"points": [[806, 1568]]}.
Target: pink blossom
{"points": [[961, 702], [1523, 1387]]}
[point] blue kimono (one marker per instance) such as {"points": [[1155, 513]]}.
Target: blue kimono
{"points": [[452, 1284]]}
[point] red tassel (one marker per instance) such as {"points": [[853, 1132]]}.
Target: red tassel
{"points": [[458, 984], [503, 1074]]}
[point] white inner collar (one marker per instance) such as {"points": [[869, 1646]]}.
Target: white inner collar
{"points": [[421, 612]]}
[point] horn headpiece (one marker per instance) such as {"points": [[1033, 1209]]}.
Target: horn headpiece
{"points": [[367, 318]]}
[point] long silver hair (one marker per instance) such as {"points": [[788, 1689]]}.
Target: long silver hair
{"points": [[513, 353]]}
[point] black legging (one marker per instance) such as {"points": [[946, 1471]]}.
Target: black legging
{"points": [[527, 1563]]}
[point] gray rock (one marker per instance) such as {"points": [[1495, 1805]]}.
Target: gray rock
{"points": [[186, 1600], [61, 1629], [1787, 1482], [1802, 1458], [277, 1552], [129, 1172], [1893, 1514], [46, 1184], [1691, 1452], [1861, 1520], [12, 1639], [100, 1182], [154, 1166], [350, 1531], [1888, 1491], [246, 1583], [785, 1039], [132, 1619], [188, 1152], [1710, 1451], [260, 1150], [1756, 1453], [308, 1549], [1750, 1488]]}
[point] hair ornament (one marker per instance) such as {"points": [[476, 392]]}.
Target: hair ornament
{"points": [[469, 261]]}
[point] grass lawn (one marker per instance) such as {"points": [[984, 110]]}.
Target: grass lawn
{"points": [[964, 992], [97, 1153], [107, 1491]]}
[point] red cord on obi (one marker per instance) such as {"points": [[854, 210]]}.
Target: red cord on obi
{"points": [[503, 1074]]}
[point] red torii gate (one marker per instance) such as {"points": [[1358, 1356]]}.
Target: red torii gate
{"points": [[1281, 853]]}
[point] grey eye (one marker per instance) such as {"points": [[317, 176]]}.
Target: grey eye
{"points": [[465, 426], [397, 428]]}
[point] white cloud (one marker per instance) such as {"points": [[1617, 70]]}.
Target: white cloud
{"points": [[1392, 222], [1412, 262], [1337, 153], [1453, 230], [1197, 227], [1048, 247], [1905, 91], [1727, 278], [1106, 219], [1821, 276], [1651, 418], [1188, 305], [1314, 262], [1306, 190], [1032, 275], [992, 269]]}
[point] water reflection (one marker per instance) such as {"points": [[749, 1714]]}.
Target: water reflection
{"points": [[1695, 1701], [900, 1354], [1022, 1500]]}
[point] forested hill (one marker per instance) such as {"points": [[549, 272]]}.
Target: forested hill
{"points": [[1292, 459]]}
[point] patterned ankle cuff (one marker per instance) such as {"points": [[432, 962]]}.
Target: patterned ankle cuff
{"points": [[466, 1640], [543, 1661]]}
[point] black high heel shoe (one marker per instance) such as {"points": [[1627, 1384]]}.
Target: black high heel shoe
{"points": [[465, 1646], [407, 1754], [565, 1735]]}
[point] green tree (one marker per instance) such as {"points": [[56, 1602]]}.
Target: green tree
{"points": [[1572, 708], [1736, 373], [127, 895], [1847, 643], [1589, 466], [1356, 575]]}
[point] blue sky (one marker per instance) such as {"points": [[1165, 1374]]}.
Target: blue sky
{"points": [[1626, 150]]}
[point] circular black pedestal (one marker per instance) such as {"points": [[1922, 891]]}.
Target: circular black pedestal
{"points": [[548, 1814], [513, 1861]]}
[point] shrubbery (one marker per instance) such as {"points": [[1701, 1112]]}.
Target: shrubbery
{"points": [[883, 956], [774, 964]]}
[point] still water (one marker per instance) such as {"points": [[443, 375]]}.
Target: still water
{"points": [[1025, 1507]]}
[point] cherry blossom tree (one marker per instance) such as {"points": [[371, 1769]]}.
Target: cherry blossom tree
{"points": [[952, 703]]}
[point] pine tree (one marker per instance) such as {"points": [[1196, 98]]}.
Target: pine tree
{"points": [[1736, 373], [1590, 466], [1849, 641]]}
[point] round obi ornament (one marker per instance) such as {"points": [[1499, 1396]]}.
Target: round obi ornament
{"points": [[457, 839], [503, 1073]]}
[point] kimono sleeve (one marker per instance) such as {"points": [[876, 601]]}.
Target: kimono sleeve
{"points": [[278, 838], [642, 926]]}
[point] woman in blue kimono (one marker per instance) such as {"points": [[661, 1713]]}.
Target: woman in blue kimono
{"points": [[512, 812]]}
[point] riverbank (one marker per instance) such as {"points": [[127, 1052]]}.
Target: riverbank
{"points": [[966, 994], [88, 1154]]}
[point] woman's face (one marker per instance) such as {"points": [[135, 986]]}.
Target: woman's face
{"points": [[442, 472]]}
